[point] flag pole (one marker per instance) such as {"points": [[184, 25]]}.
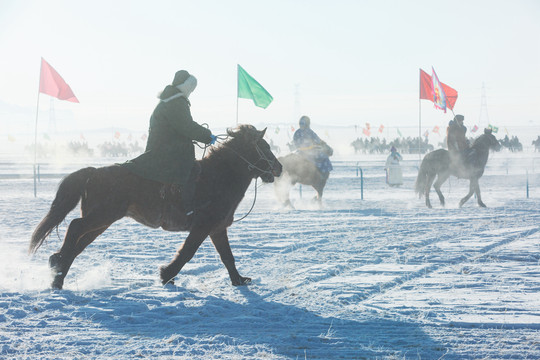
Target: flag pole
{"points": [[35, 132], [237, 90], [419, 117], [237, 109]]}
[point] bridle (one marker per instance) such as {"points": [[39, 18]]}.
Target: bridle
{"points": [[251, 166]]}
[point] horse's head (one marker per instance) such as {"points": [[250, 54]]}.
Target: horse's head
{"points": [[492, 140], [256, 152]]}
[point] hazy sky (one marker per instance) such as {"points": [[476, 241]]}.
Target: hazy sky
{"points": [[340, 62]]}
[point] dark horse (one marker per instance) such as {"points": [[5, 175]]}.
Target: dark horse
{"points": [[439, 163], [109, 193], [298, 168]]}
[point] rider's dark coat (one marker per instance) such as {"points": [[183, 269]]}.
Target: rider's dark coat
{"points": [[170, 154], [455, 137]]}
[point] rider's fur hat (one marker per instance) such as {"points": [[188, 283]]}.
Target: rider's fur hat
{"points": [[304, 122], [185, 82], [459, 117], [180, 77]]}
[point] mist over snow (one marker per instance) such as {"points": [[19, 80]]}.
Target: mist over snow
{"points": [[383, 277]]}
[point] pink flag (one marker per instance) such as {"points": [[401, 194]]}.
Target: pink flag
{"points": [[51, 83], [439, 97]]}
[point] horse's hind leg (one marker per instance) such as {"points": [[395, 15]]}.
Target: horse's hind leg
{"points": [[184, 254], [61, 262], [81, 232], [437, 186], [221, 243], [429, 182]]}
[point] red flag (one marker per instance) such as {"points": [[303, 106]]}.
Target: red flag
{"points": [[381, 128], [435, 129], [474, 128], [366, 132], [426, 90], [51, 83]]}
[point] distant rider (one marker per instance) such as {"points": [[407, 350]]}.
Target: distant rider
{"points": [[456, 140], [310, 145]]}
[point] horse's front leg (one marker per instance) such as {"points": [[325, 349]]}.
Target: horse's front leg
{"points": [[221, 243], [471, 192], [477, 192], [183, 255]]}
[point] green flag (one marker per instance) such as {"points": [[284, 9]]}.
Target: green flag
{"points": [[494, 129], [249, 88]]}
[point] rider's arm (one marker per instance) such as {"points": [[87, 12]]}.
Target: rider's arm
{"points": [[179, 116]]}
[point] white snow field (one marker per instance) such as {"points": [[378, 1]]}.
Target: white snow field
{"points": [[379, 277]]}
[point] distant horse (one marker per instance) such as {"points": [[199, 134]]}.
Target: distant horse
{"points": [[298, 168], [439, 164], [536, 144], [109, 193]]}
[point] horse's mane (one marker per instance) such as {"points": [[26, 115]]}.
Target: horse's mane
{"points": [[236, 139], [479, 141]]}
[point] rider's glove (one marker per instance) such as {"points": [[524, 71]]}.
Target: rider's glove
{"points": [[214, 138]]}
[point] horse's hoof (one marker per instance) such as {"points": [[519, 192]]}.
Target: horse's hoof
{"points": [[54, 262], [165, 275], [482, 205], [242, 281], [170, 282], [57, 284]]}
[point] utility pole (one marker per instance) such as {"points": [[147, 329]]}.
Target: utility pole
{"points": [[483, 108], [297, 107]]}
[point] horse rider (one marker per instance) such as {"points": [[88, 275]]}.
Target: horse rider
{"points": [[309, 144], [169, 157], [457, 142]]}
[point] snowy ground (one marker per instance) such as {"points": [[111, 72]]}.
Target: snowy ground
{"points": [[382, 277]]}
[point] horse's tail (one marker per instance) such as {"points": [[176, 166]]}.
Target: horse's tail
{"points": [[421, 179], [67, 197]]}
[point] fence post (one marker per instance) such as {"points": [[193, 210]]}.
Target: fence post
{"points": [[527, 172], [359, 169]]}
